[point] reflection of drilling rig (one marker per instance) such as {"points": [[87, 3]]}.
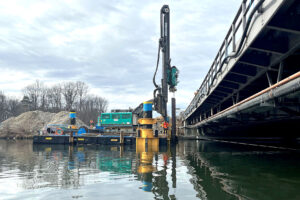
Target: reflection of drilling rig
{"points": [[146, 169]]}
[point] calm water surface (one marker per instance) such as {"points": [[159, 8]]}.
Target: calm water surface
{"points": [[191, 170]]}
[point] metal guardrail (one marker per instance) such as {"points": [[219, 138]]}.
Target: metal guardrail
{"points": [[229, 43]]}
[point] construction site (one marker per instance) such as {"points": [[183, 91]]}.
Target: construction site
{"points": [[251, 87], [135, 126], [230, 132]]}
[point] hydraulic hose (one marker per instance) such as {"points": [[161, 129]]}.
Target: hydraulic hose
{"points": [[238, 52], [258, 5], [157, 63]]}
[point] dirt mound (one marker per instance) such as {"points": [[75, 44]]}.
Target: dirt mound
{"points": [[63, 118], [29, 123]]}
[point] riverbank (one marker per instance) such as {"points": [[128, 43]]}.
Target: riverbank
{"points": [[29, 137]]}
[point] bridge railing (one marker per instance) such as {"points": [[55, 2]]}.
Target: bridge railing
{"points": [[228, 45]]}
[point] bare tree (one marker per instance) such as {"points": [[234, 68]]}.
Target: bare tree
{"points": [[92, 107], [56, 92], [43, 98], [69, 91], [54, 99], [14, 107], [50, 100], [26, 104], [2, 106], [9, 107], [82, 90], [101, 104], [33, 91]]}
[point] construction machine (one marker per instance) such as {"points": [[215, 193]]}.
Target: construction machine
{"points": [[170, 73]]}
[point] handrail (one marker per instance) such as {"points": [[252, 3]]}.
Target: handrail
{"points": [[230, 39]]}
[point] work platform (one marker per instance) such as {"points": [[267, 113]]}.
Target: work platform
{"points": [[254, 81], [82, 140]]}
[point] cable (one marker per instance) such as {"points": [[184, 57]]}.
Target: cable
{"points": [[244, 33], [238, 52], [157, 63]]}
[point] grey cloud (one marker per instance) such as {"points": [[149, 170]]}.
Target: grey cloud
{"points": [[119, 57]]}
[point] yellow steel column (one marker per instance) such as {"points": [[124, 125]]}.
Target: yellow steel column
{"points": [[145, 140]]}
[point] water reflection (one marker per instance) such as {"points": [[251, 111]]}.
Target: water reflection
{"points": [[190, 170], [154, 179], [227, 171], [73, 163]]}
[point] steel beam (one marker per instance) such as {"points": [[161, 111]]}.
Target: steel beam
{"points": [[283, 29], [240, 74], [210, 102], [222, 92], [289, 111], [280, 89], [269, 79], [233, 81], [254, 65], [216, 97], [280, 71], [237, 90], [266, 51], [230, 86], [226, 88]]}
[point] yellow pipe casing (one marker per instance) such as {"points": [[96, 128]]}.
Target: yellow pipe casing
{"points": [[147, 144], [146, 133], [146, 157], [146, 169], [144, 121]]}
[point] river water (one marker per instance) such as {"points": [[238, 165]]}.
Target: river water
{"points": [[191, 170]]}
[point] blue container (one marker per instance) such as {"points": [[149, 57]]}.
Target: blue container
{"points": [[147, 106], [81, 131], [99, 127], [147, 186], [72, 115]]}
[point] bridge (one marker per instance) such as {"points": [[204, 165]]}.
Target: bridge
{"points": [[254, 80]]}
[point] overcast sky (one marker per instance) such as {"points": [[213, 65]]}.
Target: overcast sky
{"points": [[110, 45]]}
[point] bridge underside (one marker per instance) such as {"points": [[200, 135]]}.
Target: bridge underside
{"points": [[274, 55], [274, 114]]}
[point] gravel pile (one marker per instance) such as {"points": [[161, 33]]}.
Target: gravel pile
{"points": [[30, 123]]}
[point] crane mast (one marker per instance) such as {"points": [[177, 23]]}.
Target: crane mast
{"points": [[165, 49], [169, 74]]}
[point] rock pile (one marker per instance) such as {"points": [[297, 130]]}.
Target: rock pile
{"points": [[29, 123]]}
